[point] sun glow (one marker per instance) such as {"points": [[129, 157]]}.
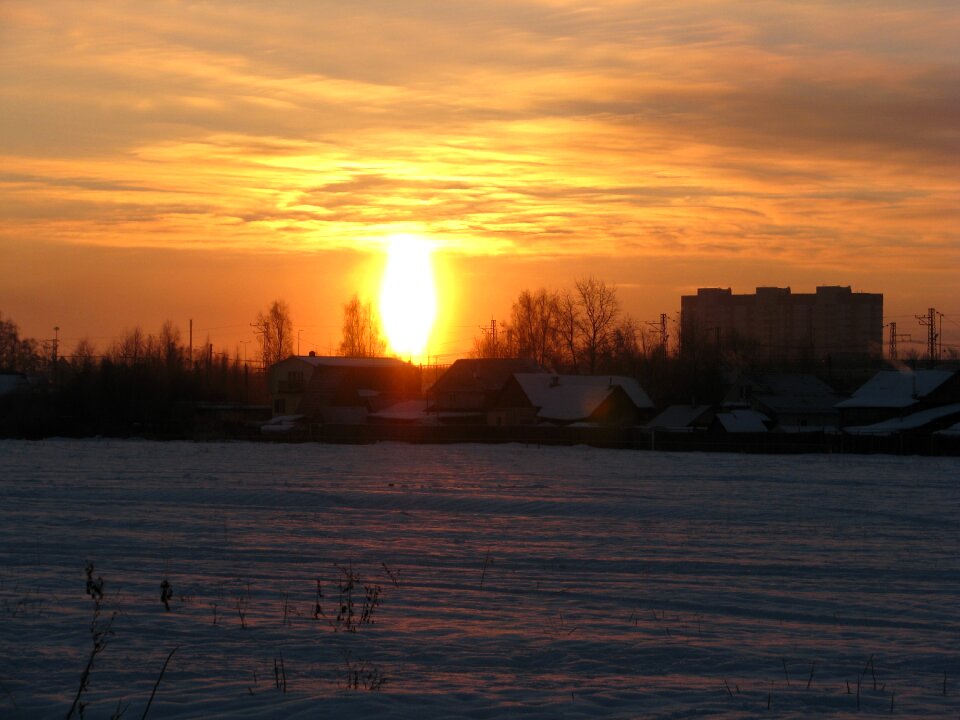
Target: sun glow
{"points": [[408, 296]]}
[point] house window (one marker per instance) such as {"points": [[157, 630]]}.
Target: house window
{"points": [[279, 406]]}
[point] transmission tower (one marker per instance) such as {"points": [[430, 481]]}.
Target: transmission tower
{"points": [[492, 332], [930, 322], [661, 327], [895, 338]]}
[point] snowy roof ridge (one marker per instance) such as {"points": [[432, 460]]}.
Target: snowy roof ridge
{"points": [[576, 397], [914, 421], [896, 388]]}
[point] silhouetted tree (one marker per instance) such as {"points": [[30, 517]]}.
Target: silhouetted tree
{"points": [[534, 320], [568, 325], [274, 330], [130, 349], [19, 355], [627, 347], [362, 330], [599, 309], [84, 355]]}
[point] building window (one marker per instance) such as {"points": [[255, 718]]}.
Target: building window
{"points": [[279, 406]]}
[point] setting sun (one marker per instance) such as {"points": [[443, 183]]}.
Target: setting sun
{"points": [[408, 302]]}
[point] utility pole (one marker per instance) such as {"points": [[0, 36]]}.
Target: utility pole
{"points": [[190, 351], [492, 332], [930, 322], [661, 327]]}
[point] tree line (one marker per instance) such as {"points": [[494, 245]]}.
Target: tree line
{"points": [[577, 330], [584, 330], [142, 383], [150, 380]]}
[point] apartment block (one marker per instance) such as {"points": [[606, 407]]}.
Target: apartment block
{"points": [[776, 324]]}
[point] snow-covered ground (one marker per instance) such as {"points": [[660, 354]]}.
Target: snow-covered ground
{"points": [[513, 582]]}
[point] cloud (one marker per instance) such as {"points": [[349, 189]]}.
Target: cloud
{"points": [[802, 132]]}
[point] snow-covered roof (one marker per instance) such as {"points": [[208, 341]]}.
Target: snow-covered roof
{"points": [[896, 389], [408, 410], [952, 430], [281, 424], [568, 398], [787, 392], [678, 417], [914, 421], [743, 421]]}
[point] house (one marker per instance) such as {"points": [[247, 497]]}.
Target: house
{"points": [[340, 389], [468, 391], [683, 418], [568, 399], [897, 393], [793, 402]]}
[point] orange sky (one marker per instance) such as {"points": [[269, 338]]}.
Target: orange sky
{"points": [[199, 159]]}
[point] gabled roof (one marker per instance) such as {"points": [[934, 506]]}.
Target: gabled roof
{"points": [[482, 374], [679, 417], [792, 392], [897, 389], [569, 398], [951, 431], [742, 421], [915, 421], [408, 410]]}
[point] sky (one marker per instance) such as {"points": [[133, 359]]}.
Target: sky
{"points": [[197, 160]]}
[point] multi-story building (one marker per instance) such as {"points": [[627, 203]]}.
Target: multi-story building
{"points": [[776, 325]]}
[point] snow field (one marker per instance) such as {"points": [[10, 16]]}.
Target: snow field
{"points": [[514, 581]]}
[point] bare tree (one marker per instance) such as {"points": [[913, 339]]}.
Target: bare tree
{"points": [[599, 309], [16, 354], [628, 344], [362, 330], [130, 349], [568, 328], [9, 345], [169, 344], [84, 355], [274, 330], [534, 318]]}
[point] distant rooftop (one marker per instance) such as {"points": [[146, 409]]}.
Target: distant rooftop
{"points": [[896, 389]]}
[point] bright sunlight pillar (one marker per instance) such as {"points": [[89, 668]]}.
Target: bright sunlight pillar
{"points": [[408, 297]]}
